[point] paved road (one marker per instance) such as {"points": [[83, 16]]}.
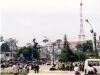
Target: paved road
{"points": [[44, 70]]}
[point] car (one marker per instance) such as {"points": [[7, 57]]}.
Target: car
{"points": [[48, 63], [94, 62]]}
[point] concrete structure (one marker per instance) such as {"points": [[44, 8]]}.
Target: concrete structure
{"points": [[57, 48], [72, 45], [6, 55]]}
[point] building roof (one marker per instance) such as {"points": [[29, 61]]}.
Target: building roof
{"points": [[70, 42]]}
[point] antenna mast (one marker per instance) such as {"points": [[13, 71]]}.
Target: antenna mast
{"points": [[81, 34]]}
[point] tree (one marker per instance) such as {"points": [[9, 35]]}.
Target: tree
{"points": [[63, 56], [36, 54], [45, 40], [86, 49], [35, 51], [88, 46], [28, 52], [79, 47], [66, 44], [66, 52], [80, 56]]}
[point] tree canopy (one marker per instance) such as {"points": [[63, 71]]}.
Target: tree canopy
{"points": [[88, 46], [29, 53]]}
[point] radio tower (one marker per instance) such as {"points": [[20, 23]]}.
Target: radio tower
{"points": [[81, 34]]}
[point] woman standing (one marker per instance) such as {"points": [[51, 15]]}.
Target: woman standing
{"points": [[15, 69]]}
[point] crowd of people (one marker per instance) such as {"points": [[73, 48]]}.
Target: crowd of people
{"points": [[24, 68], [77, 68], [35, 67], [68, 67], [20, 68]]}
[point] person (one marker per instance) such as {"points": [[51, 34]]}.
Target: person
{"points": [[3, 66], [27, 67], [24, 70], [21, 67], [15, 69], [32, 67], [95, 68], [37, 66], [77, 70], [82, 67], [63, 67], [91, 70]]}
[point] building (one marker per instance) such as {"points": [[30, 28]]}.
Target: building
{"points": [[57, 48], [5, 52]]}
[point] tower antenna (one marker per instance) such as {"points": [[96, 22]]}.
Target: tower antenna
{"points": [[81, 33]]}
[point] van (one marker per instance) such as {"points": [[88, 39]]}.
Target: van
{"points": [[94, 62]]}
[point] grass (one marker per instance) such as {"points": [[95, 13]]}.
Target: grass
{"points": [[9, 73]]}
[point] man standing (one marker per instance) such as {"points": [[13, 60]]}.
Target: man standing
{"points": [[36, 69], [15, 69], [37, 66]]}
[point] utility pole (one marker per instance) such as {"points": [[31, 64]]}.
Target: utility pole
{"points": [[53, 53], [94, 37]]}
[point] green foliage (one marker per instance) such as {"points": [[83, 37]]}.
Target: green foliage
{"points": [[28, 52], [67, 55], [71, 56], [63, 57], [84, 51], [80, 55], [36, 54], [66, 52], [87, 46]]}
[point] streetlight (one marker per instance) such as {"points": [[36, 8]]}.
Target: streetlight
{"points": [[94, 36], [45, 41], [53, 53]]}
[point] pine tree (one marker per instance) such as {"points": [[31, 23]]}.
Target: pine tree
{"points": [[66, 44]]}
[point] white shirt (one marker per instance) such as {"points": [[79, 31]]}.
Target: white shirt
{"points": [[15, 68], [76, 69], [91, 69]]}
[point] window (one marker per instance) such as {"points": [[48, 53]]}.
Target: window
{"points": [[94, 63], [7, 54]]}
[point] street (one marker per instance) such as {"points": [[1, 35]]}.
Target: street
{"points": [[44, 70]]}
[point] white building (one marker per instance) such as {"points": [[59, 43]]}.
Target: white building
{"points": [[5, 55]]}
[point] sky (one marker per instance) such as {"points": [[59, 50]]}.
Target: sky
{"points": [[24, 20]]}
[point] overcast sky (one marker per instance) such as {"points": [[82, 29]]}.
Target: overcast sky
{"points": [[28, 19]]}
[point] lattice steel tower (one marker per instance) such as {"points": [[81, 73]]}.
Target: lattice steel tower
{"points": [[81, 34]]}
